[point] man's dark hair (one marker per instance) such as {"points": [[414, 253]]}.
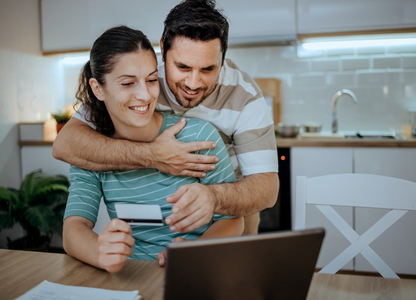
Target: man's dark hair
{"points": [[198, 20]]}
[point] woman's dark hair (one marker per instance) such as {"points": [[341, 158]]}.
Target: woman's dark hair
{"points": [[103, 56], [198, 20]]}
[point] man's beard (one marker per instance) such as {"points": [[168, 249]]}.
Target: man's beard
{"points": [[189, 102]]}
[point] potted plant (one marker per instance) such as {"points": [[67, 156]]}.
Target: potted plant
{"points": [[61, 118], [38, 206]]}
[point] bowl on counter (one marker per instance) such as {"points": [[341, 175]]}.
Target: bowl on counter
{"points": [[312, 127], [288, 130]]}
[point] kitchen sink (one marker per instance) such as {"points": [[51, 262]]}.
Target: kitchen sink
{"points": [[371, 136]]}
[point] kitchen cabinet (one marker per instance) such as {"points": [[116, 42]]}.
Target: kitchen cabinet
{"points": [[318, 16], [260, 21], [76, 24], [397, 245], [319, 161]]}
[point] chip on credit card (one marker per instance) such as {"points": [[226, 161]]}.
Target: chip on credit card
{"points": [[140, 214]]}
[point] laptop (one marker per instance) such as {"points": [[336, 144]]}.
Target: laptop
{"points": [[277, 265]]}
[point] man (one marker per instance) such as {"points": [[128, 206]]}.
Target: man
{"points": [[195, 81]]}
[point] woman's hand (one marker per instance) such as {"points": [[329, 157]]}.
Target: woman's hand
{"points": [[161, 257], [115, 245]]}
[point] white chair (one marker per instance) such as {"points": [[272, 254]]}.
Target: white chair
{"points": [[355, 190]]}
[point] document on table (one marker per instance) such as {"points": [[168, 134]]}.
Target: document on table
{"points": [[54, 291]]}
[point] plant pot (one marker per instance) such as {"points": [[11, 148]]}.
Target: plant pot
{"points": [[59, 127], [22, 244]]}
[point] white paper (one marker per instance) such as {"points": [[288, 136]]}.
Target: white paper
{"points": [[54, 291]]}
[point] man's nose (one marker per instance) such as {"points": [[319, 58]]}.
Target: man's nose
{"points": [[142, 92], [193, 79]]}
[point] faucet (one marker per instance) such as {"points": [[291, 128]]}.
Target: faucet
{"points": [[334, 102]]}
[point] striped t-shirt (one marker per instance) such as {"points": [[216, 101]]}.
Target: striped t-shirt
{"points": [[147, 186], [238, 111]]}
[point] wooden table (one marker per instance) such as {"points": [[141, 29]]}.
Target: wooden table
{"points": [[20, 271]]}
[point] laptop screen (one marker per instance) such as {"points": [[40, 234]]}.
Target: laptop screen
{"points": [[276, 265]]}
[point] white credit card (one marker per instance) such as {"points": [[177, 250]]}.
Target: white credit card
{"points": [[139, 214]]}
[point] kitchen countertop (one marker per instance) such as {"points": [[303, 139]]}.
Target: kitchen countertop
{"points": [[401, 142], [307, 142]]}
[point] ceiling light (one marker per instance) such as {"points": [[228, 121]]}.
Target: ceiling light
{"points": [[343, 42]]}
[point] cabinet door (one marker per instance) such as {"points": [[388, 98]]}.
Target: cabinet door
{"points": [[396, 246], [316, 161], [76, 24], [261, 20], [315, 16]]}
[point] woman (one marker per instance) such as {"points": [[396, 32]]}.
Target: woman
{"points": [[118, 90]]}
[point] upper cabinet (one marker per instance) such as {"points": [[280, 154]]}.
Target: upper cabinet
{"points": [[319, 16], [260, 20], [69, 25]]}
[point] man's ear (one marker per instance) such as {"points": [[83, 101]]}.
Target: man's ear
{"points": [[161, 49], [96, 89]]}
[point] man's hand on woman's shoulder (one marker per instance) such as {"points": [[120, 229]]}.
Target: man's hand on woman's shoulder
{"points": [[170, 156]]}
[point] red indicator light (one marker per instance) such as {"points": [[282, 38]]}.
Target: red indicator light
{"points": [[282, 157]]}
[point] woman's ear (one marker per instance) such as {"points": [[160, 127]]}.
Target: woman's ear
{"points": [[96, 89]]}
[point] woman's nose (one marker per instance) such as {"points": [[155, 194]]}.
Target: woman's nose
{"points": [[142, 93]]}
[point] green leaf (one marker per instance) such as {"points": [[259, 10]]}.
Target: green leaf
{"points": [[29, 183], [41, 217], [6, 221]]}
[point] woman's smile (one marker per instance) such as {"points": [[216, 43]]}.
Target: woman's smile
{"points": [[140, 109]]}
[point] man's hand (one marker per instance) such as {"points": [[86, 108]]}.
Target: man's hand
{"points": [[194, 206], [162, 256], [170, 156], [115, 245]]}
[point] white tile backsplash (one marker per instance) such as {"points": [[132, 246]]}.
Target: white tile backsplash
{"points": [[355, 64], [325, 65], [387, 62], [382, 78], [409, 62]]}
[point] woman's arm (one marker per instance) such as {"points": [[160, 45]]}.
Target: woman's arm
{"points": [[220, 228], [108, 251]]}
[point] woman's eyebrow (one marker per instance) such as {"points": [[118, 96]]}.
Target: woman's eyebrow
{"points": [[126, 75], [152, 72]]}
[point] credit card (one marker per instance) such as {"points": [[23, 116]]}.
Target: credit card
{"points": [[140, 214]]}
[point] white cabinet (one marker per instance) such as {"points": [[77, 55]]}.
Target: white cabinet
{"points": [[260, 21], [76, 24], [317, 161], [316, 16], [397, 246]]}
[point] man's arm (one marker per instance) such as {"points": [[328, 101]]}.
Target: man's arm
{"points": [[220, 228], [81, 146], [195, 203]]}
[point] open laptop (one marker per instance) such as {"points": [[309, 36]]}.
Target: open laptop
{"points": [[276, 265]]}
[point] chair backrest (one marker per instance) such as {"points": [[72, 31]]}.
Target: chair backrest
{"points": [[355, 190]]}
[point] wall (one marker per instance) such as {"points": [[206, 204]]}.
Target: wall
{"points": [[30, 85], [383, 79]]}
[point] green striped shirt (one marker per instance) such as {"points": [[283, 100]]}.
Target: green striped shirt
{"points": [[147, 186]]}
